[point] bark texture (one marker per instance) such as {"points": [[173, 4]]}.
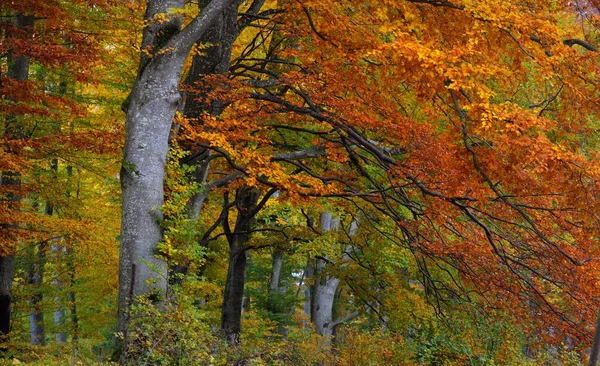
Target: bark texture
{"points": [[150, 111]]}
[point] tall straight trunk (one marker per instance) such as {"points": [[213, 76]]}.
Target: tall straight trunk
{"points": [[18, 68], [233, 296], [276, 291], [36, 316], [276, 270], [324, 287], [58, 254], [61, 335], [71, 296], [150, 110], [595, 352], [309, 272]]}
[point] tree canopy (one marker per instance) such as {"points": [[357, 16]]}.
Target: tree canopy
{"points": [[301, 182]]}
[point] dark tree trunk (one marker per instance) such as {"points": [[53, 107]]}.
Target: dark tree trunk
{"points": [[233, 297], [18, 68], [213, 60]]}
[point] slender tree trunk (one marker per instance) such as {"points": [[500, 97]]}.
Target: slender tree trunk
{"points": [[72, 297], [276, 270], [309, 272], [215, 59], [36, 320], [595, 352], [276, 292], [18, 68], [325, 286], [233, 296], [36, 317], [59, 252]]}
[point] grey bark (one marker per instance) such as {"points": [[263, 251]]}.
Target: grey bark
{"points": [[36, 279], [72, 297], [595, 351], [307, 306], [150, 111], [325, 286], [18, 68], [276, 270], [276, 292]]}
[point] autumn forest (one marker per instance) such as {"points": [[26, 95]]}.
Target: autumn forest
{"points": [[300, 182]]}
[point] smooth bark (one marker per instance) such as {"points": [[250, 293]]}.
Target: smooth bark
{"points": [[150, 111], [324, 287], [595, 351]]}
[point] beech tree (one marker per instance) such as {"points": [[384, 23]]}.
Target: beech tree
{"points": [[150, 110]]}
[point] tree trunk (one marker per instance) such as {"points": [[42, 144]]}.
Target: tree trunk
{"points": [[18, 68], [36, 317], [595, 352], [233, 296], [324, 287], [276, 294], [214, 59], [276, 270], [59, 252], [150, 111], [309, 272], [72, 297]]}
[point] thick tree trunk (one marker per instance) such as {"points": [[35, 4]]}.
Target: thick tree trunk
{"points": [[325, 286], [233, 296], [152, 105], [7, 270], [18, 68]]}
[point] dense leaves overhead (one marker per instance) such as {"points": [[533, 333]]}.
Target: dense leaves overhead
{"points": [[452, 144], [472, 124]]}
